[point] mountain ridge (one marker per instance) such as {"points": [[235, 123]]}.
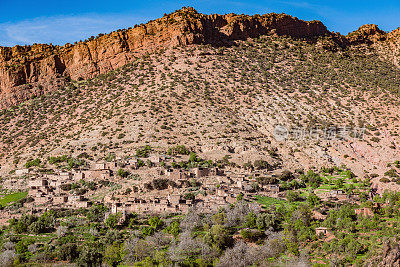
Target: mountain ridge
{"points": [[27, 71]]}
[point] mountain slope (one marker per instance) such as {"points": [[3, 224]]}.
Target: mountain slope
{"points": [[33, 70], [222, 101], [27, 71]]}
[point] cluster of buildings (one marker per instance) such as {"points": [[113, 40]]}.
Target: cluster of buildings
{"points": [[154, 189], [212, 188], [49, 191]]}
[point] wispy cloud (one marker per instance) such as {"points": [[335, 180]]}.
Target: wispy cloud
{"points": [[63, 29]]}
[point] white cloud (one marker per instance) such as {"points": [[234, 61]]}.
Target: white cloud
{"points": [[63, 29]]}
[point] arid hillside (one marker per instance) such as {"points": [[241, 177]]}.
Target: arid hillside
{"points": [[32, 70], [339, 106], [27, 71]]}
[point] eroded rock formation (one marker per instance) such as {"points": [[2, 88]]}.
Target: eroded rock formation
{"points": [[33, 70]]}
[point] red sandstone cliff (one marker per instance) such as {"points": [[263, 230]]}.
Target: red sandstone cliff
{"points": [[33, 70], [36, 69]]}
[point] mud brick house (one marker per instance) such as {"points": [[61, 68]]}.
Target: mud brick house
{"points": [[231, 199], [99, 166], [157, 159], [100, 174], [59, 178], [82, 204], [210, 183], [66, 175], [173, 204], [113, 165], [321, 231], [79, 175], [211, 204], [334, 193], [242, 182], [38, 183], [58, 200], [338, 194], [223, 180], [316, 215], [222, 192], [131, 162], [41, 199], [367, 212], [201, 172], [177, 174], [175, 199], [75, 198]]}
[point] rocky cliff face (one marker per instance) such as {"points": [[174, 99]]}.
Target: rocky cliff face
{"points": [[32, 70], [27, 71], [367, 34], [386, 44]]}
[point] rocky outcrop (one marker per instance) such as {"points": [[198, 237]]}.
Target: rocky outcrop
{"points": [[387, 45], [37, 69], [27, 71], [368, 34]]}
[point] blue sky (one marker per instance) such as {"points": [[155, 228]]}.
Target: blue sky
{"points": [[61, 21]]}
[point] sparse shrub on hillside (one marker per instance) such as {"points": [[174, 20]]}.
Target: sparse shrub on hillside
{"points": [[122, 173], [143, 152], [110, 157], [178, 150], [261, 165], [286, 176], [160, 184], [392, 173], [33, 163], [58, 159], [292, 196]]}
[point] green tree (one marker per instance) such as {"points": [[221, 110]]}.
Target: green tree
{"points": [[313, 200], [68, 252], [112, 220], [96, 213], [250, 220], [220, 236], [156, 222], [173, 229], [267, 220], [143, 152], [193, 157], [112, 255], [147, 230], [33, 163], [292, 196], [90, 255], [22, 249]]}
